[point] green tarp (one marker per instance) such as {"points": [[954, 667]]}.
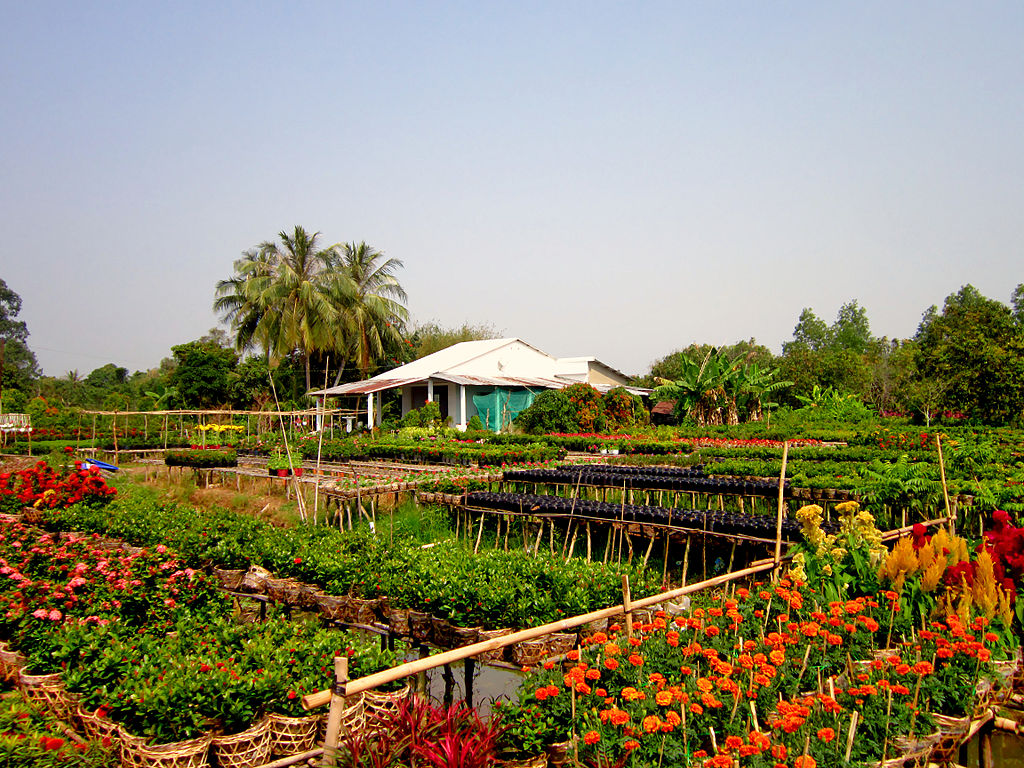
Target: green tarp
{"points": [[499, 407]]}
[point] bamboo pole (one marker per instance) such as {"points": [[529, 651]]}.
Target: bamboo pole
{"points": [[782, 490], [336, 697], [369, 682], [627, 606]]}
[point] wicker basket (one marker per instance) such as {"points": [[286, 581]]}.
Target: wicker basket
{"points": [[591, 628], [353, 720], [309, 595], [517, 761], [333, 607], [441, 631], [559, 754], [421, 626], [951, 734], [32, 516], [292, 735], [529, 653], [283, 590], [47, 693], [255, 580], [136, 753], [376, 704], [11, 663], [11, 518], [463, 636], [398, 620], [559, 644], [251, 747], [361, 611], [95, 727], [489, 634], [230, 579]]}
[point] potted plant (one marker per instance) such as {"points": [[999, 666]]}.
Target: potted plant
{"points": [[278, 464]]}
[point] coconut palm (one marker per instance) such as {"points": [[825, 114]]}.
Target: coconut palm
{"points": [[282, 297], [372, 302]]}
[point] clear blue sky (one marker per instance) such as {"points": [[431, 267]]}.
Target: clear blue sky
{"points": [[598, 178]]}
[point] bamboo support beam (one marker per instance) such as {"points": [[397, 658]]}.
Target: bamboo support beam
{"points": [[778, 519], [318, 699]]}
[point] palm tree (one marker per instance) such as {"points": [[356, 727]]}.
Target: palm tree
{"points": [[372, 301], [282, 297]]}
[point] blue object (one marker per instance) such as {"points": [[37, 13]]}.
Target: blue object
{"points": [[101, 464]]}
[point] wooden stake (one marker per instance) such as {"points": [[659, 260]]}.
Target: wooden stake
{"points": [[627, 606], [850, 735], [782, 490]]}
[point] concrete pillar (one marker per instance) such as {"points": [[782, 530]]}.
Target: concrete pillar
{"points": [[462, 407]]}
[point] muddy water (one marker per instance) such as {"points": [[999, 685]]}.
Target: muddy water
{"points": [[479, 685], [1007, 751]]}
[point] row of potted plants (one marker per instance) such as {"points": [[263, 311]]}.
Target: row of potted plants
{"points": [[493, 589]]}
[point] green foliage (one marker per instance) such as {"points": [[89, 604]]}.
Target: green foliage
{"points": [[201, 459], [20, 367], [475, 425], [975, 347], [201, 377], [551, 411]]}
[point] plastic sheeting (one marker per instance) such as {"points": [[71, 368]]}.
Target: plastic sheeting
{"points": [[499, 407]]}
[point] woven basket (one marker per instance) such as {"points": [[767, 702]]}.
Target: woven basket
{"points": [[249, 748], [95, 727], [558, 754], [489, 634], [136, 753], [538, 761], [32, 516], [47, 693], [421, 626], [283, 590], [441, 630], [333, 607], [593, 627], [529, 653], [309, 595], [463, 636], [951, 734], [230, 579], [292, 735], [398, 620], [377, 704], [353, 720], [559, 644], [11, 663], [11, 518], [255, 580], [361, 611]]}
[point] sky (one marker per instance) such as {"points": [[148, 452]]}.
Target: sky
{"points": [[597, 178]]}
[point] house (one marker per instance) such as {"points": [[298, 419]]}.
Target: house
{"points": [[494, 379]]}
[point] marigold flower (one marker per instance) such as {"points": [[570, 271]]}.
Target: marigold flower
{"points": [[826, 734], [591, 737]]}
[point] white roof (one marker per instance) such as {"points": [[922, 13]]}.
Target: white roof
{"points": [[508, 362]]}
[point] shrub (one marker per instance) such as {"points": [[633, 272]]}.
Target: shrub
{"points": [[551, 411]]}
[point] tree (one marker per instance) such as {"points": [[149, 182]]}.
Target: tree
{"points": [[294, 297], [1017, 299], [811, 332], [202, 376], [20, 367], [372, 303], [428, 338], [975, 349], [284, 297]]}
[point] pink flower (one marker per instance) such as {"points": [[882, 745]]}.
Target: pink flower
{"points": [[40, 613], [55, 615]]}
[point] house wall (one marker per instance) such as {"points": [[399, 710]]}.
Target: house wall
{"points": [[598, 375]]}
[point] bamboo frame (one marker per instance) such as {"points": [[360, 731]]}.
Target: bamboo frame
{"points": [[369, 682]]}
